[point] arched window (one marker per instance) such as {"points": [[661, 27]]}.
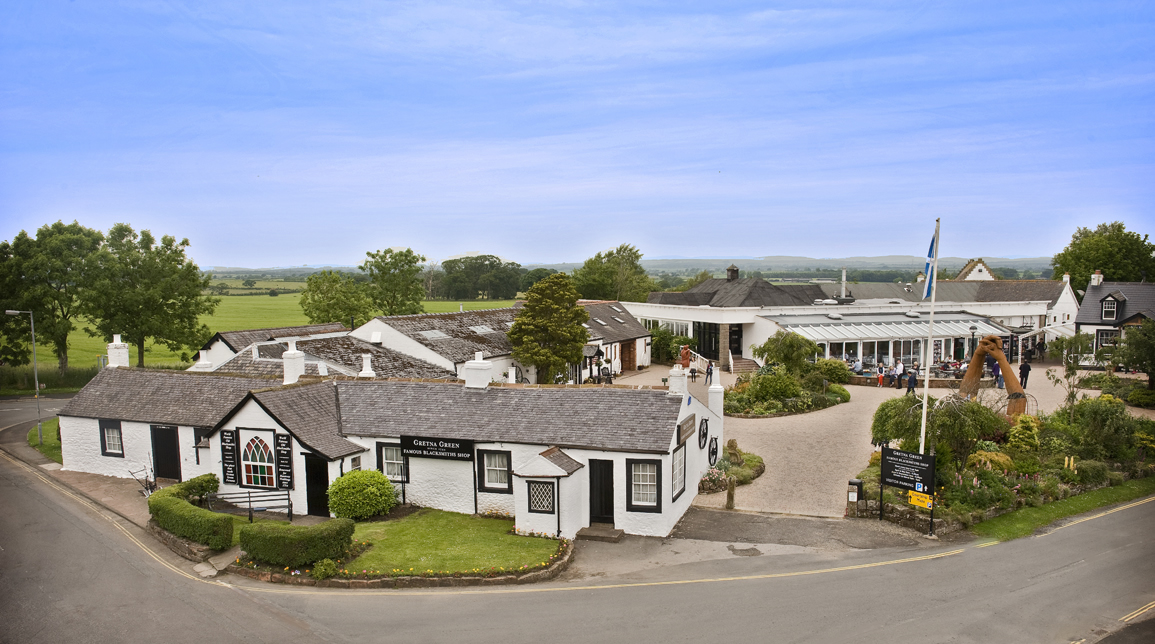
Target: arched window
{"points": [[258, 462]]}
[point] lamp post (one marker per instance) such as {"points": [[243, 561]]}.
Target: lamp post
{"points": [[35, 374], [974, 329]]}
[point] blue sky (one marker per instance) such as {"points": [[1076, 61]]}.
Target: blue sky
{"points": [[284, 133]]}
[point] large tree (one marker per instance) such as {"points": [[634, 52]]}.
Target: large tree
{"points": [[788, 349], [1138, 349], [145, 290], [485, 276], [395, 286], [1122, 255], [47, 269], [548, 333], [1069, 351], [15, 333], [330, 296], [533, 277], [615, 274]]}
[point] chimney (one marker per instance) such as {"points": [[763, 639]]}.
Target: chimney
{"points": [[717, 396], [677, 381], [322, 368], [117, 352], [1097, 278], [294, 363], [477, 372], [512, 375], [731, 273], [1066, 278], [843, 282], [366, 366]]}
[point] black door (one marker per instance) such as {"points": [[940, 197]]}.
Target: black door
{"points": [[165, 452], [736, 339], [317, 485], [601, 491]]}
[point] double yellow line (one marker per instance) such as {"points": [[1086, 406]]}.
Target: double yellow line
{"points": [[1101, 514], [1136, 613]]}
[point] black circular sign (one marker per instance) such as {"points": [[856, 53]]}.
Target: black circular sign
{"points": [[713, 451], [703, 432]]}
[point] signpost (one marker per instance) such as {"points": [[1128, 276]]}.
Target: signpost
{"points": [[911, 472], [453, 449]]}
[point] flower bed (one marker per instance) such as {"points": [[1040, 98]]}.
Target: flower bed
{"points": [[717, 477]]}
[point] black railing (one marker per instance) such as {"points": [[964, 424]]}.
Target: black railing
{"points": [[255, 501]]}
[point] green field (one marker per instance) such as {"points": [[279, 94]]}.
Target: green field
{"points": [[234, 312]]}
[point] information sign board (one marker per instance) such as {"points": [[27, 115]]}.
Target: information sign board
{"points": [[921, 500], [426, 447], [284, 455], [229, 462], [907, 470]]}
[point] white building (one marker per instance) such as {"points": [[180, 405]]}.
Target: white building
{"points": [[557, 458], [728, 317], [226, 344], [1110, 308]]}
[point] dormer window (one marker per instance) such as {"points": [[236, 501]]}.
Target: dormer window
{"points": [[1109, 309]]}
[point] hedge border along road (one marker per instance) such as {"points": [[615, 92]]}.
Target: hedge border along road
{"points": [[1026, 521], [295, 545], [171, 510]]}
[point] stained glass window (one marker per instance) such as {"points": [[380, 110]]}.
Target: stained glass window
{"points": [[258, 463]]}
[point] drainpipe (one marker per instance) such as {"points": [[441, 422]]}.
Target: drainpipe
{"points": [[843, 281], [557, 507]]}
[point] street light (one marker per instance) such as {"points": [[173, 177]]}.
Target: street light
{"points": [[35, 374], [973, 330]]}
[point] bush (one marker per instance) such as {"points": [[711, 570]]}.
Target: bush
{"points": [[293, 545], [324, 569], [1024, 434], [779, 385], [833, 370], [172, 511], [1091, 472], [839, 392], [361, 494], [1115, 478], [1142, 397], [987, 446], [990, 460]]}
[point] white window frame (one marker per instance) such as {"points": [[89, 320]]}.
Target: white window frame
{"points": [[647, 489], [116, 429], [400, 465], [354, 463], [678, 472], [529, 489], [1112, 306], [493, 466]]}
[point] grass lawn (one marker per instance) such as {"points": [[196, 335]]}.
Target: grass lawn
{"points": [[447, 541], [233, 313], [1025, 521], [51, 446]]}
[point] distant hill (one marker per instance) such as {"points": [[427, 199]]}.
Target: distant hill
{"points": [[793, 263]]}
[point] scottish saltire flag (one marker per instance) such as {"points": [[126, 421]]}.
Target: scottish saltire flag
{"points": [[928, 283]]}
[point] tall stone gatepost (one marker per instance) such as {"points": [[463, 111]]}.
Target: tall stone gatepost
{"points": [[724, 346]]}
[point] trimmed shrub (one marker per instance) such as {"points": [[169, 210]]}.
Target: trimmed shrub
{"points": [[1024, 434], [839, 392], [361, 494], [833, 370], [1142, 397], [294, 545], [324, 569], [776, 386], [172, 511], [1092, 472]]}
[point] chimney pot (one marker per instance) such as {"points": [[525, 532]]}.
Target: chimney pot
{"points": [[477, 372], [366, 367], [117, 352], [294, 362], [1097, 278]]}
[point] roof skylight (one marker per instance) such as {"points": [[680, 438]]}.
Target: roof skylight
{"points": [[619, 319], [481, 328], [434, 334], [600, 322], [616, 308]]}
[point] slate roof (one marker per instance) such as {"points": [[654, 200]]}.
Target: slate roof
{"points": [[619, 324], [950, 291], [160, 396], [1020, 291], [310, 413], [270, 365], [387, 363], [561, 459], [237, 340], [609, 419], [463, 342], [749, 291], [1140, 301]]}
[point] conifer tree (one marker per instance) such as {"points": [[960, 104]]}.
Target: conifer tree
{"points": [[548, 333]]}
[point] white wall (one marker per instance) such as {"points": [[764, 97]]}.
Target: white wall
{"points": [[393, 339], [80, 447], [218, 353]]}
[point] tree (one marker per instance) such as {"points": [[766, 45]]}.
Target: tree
{"points": [[695, 280], [614, 275], [394, 281], [249, 283], [330, 296], [484, 276], [1138, 350], [1122, 255], [548, 333], [431, 280], [145, 291], [15, 332], [1068, 350], [954, 425], [788, 349], [533, 277], [47, 269]]}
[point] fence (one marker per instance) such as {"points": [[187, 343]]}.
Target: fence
{"points": [[255, 501]]}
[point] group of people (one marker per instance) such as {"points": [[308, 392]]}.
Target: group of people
{"points": [[898, 375], [709, 372]]}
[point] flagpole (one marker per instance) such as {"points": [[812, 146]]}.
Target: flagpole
{"points": [[928, 354]]}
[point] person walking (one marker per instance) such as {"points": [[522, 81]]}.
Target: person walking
{"points": [[709, 372], [1024, 373], [693, 374], [996, 371], [898, 371], [911, 381]]}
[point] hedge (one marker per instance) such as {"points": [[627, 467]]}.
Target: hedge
{"points": [[291, 545], [171, 510]]}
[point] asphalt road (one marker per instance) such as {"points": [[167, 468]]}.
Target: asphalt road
{"points": [[70, 573]]}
